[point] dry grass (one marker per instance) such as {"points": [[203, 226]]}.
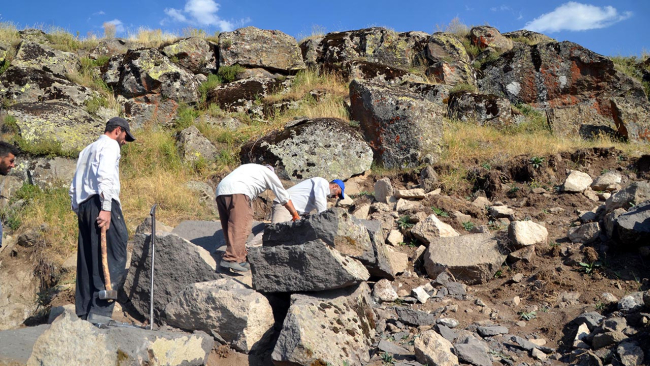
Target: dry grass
{"points": [[309, 80], [9, 33], [468, 143], [152, 172], [152, 38], [317, 31]]}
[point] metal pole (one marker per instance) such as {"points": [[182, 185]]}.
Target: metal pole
{"points": [[153, 252]]}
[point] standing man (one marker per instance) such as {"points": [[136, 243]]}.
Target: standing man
{"points": [[95, 195], [8, 153], [235, 194], [308, 195]]}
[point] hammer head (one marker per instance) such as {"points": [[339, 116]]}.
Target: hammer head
{"points": [[108, 294]]}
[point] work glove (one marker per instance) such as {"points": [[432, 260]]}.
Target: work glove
{"points": [[295, 217]]}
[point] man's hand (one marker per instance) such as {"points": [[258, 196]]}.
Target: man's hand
{"points": [[292, 210], [104, 219]]}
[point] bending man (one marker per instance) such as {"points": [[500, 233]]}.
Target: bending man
{"points": [[95, 195], [308, 195], [235, 194]]}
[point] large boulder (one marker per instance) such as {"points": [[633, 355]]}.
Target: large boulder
{"points": [[485, 36], [108, 47], [239, 315], [254, 47], [377, 73], [635, 193], [25, 85], [388, 263], [55, 123], [400, 126], [307, 148], [49, 172], [18, 291], [528, 37], [447, 60], [148, 71], [336, 227], [312, 266], [39, 56], [580, 120], [480, 108], [193, 53], [435, 93], [150, 109], [378, 45], [526, 233], [433, 349], [193, 146], [431, 228], [327, 328], [472, 258], [633, 227], [560, 75], [178, 263], [240, 96], [62, 343]]}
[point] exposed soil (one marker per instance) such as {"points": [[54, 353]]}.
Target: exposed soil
{"points": [[553, 270]]}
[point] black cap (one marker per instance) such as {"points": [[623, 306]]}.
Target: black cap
{"points": [[121, 122]]}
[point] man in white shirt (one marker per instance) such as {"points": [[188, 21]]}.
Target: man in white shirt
{"points": [[8, 153], [235, 195], [95, 197], [308, 195]]}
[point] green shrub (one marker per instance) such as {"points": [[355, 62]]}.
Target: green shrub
{"points": [[63, 40], [440, 212], [10, 124], [464, 87], [212, 82], [228, 73], [185, 117], [93, 104], [404, 222]]}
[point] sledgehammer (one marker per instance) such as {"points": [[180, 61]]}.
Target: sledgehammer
{"points": [[108, 293]]}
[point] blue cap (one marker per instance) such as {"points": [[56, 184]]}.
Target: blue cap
{"points": [[340, 184]]}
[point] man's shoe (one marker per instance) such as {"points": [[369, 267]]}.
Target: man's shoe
{"points": [[245, 265], [234, 266]]}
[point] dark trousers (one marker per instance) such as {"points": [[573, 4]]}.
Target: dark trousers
{"points": [[90, 274]]}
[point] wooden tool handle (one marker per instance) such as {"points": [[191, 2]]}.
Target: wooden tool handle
{"points": [[107, 274]]}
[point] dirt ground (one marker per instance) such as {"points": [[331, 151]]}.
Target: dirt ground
{"points": [[552, 271]]}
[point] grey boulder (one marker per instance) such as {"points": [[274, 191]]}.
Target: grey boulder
{"points": [[307, 148], [178, 263], [312, 266], [237, 314], [472, 258], [329, 327]]}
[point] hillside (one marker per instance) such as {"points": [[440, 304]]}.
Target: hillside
{"points": [[456, 135]]}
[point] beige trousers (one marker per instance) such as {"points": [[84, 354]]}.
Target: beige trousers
{"points": [[280, 214]]}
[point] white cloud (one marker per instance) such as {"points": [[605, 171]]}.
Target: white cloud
{"points": [[574, 16], [176, 15], [201, 13], [119, 27], [101, 12]]}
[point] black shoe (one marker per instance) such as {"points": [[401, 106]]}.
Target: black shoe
{"points": [[238, 267]]}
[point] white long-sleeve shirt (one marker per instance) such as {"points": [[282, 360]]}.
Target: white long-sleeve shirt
{"points": [[98, 172], [310, 194], [251, 180]]}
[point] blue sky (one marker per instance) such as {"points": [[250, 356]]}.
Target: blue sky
{"points": [[609, 27]]}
